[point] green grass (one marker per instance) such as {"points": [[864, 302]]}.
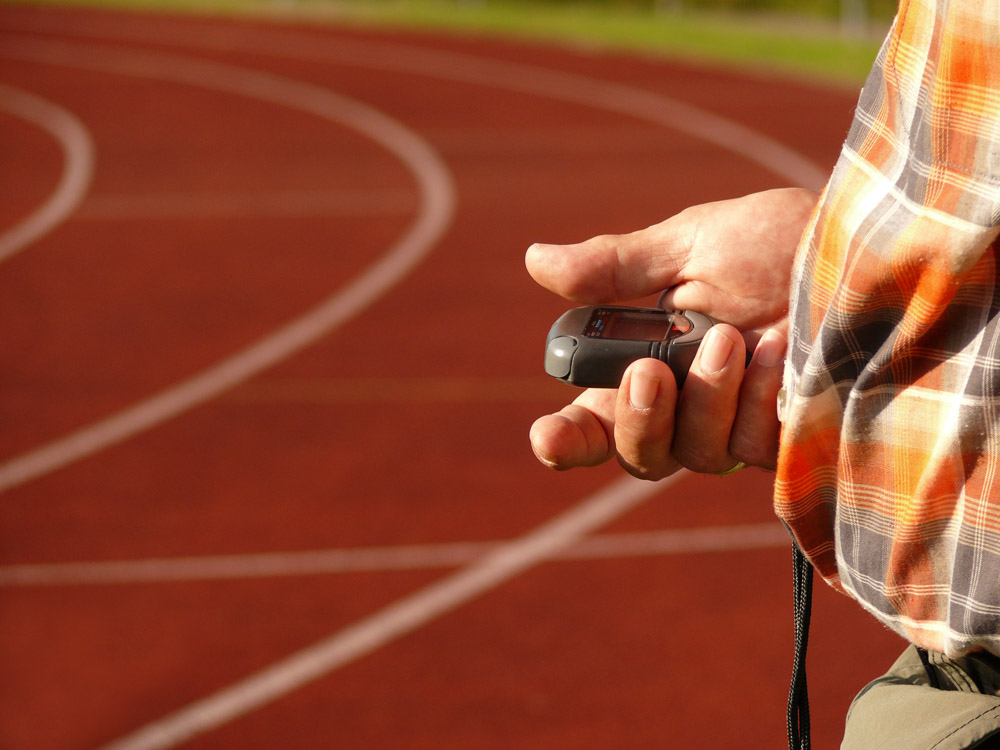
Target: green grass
{"points": [[803, 46]]}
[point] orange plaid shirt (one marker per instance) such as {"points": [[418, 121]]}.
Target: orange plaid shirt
{"points": [[889, 469]]}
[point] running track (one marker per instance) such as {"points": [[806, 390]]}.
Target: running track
{"points": [[269, 361]]}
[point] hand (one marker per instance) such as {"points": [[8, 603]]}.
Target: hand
{"points": [[731, 260]]}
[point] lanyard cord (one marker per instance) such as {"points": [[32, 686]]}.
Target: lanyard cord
{"points": [[798, 694]]}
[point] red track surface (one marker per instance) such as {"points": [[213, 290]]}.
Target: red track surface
{"points": [[213, 219]]}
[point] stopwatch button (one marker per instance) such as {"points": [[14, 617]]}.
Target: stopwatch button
{"points": [[559, 356]]}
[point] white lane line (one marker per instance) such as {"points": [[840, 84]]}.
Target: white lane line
{"points": [[437, 205], [631, 101], [679, 116], [381, 559], [394, 621], [78, 166], [413, 611], [674, 114]]}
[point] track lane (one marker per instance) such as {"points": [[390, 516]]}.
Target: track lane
{"points": [[436, 208], [256, 483]]}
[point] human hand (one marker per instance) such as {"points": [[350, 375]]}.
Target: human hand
{"points": [[731, 260]]}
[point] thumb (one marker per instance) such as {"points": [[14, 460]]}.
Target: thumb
{"points": [[611, 267]]}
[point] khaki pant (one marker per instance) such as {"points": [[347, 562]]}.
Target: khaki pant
{"points": [[945, 704]]}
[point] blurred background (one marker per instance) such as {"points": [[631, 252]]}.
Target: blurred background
{"points": [[832, 39], [271, 356]]}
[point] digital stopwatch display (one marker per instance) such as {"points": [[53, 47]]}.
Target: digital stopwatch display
{"points": [[635, 325], [591, 347]]}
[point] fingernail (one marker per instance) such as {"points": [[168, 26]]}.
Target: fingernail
{"points": [[715, 352], [549, 463], [771, 349], [642, 389]]}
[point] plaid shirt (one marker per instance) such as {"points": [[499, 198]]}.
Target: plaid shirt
{"points": [[889, 470]]}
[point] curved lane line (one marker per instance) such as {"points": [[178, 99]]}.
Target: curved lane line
{"points": [[621, 99], [394, 621], [77, 173], [681, 117], [437, 202], [675, 114], [454, 590]]}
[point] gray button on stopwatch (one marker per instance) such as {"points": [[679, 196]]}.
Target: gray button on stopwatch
{"points": [[559, 356]]}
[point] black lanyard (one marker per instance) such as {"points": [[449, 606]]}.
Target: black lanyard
{"points": [[798, 693]]}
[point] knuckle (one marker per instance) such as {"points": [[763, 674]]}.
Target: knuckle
{"points": [[642, 470], [759, 452], [755, 442], [701, 461]]}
